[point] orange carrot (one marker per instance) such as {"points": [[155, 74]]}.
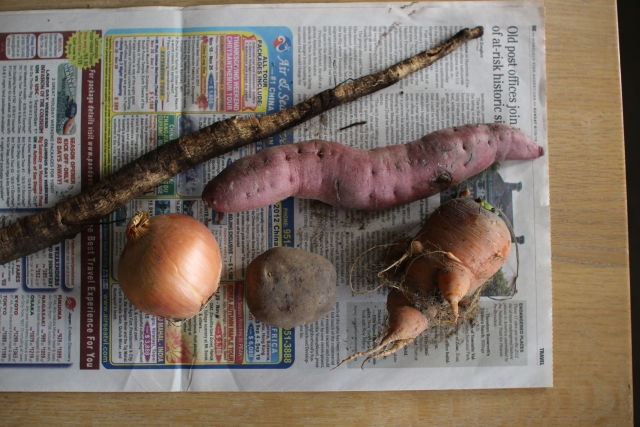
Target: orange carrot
{"points": [[467, 244], [461, 245], [406, 323]]}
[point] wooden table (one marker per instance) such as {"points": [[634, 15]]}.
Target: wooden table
{"points": [[591, 302]]}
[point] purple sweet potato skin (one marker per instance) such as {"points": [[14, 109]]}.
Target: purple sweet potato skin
{"points": [[355, 179]]}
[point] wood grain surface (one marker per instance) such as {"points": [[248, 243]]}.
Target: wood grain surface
{"points": [[591, 302]]}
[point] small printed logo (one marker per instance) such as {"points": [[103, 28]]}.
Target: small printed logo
{"points": [[282, 44], [70, 303]]}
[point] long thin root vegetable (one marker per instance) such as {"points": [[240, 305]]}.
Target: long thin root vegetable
{"points": [[351, 178], [69, 217], [461, 245]]}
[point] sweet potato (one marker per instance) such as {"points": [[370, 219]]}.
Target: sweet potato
{"points": [[287, 287], [461, 245], [75, 213], [350, 178]]}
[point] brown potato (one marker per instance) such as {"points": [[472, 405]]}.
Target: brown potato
{"points": [[287, 287]]}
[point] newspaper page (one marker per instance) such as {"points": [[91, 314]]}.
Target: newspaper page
{"points": [[84, 92]]}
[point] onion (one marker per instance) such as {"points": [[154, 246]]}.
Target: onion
{"points": [[170, 266]]}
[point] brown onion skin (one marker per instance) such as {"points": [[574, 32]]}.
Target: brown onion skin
{"points": [[170, 266]]}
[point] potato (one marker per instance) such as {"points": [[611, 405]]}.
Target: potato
{"points": [[287, 287]]}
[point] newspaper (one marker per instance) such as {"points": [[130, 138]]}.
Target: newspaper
{"points": [[83, 92]]}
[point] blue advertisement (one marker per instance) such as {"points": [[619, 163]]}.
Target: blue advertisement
{"points": [[189, 78]]}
